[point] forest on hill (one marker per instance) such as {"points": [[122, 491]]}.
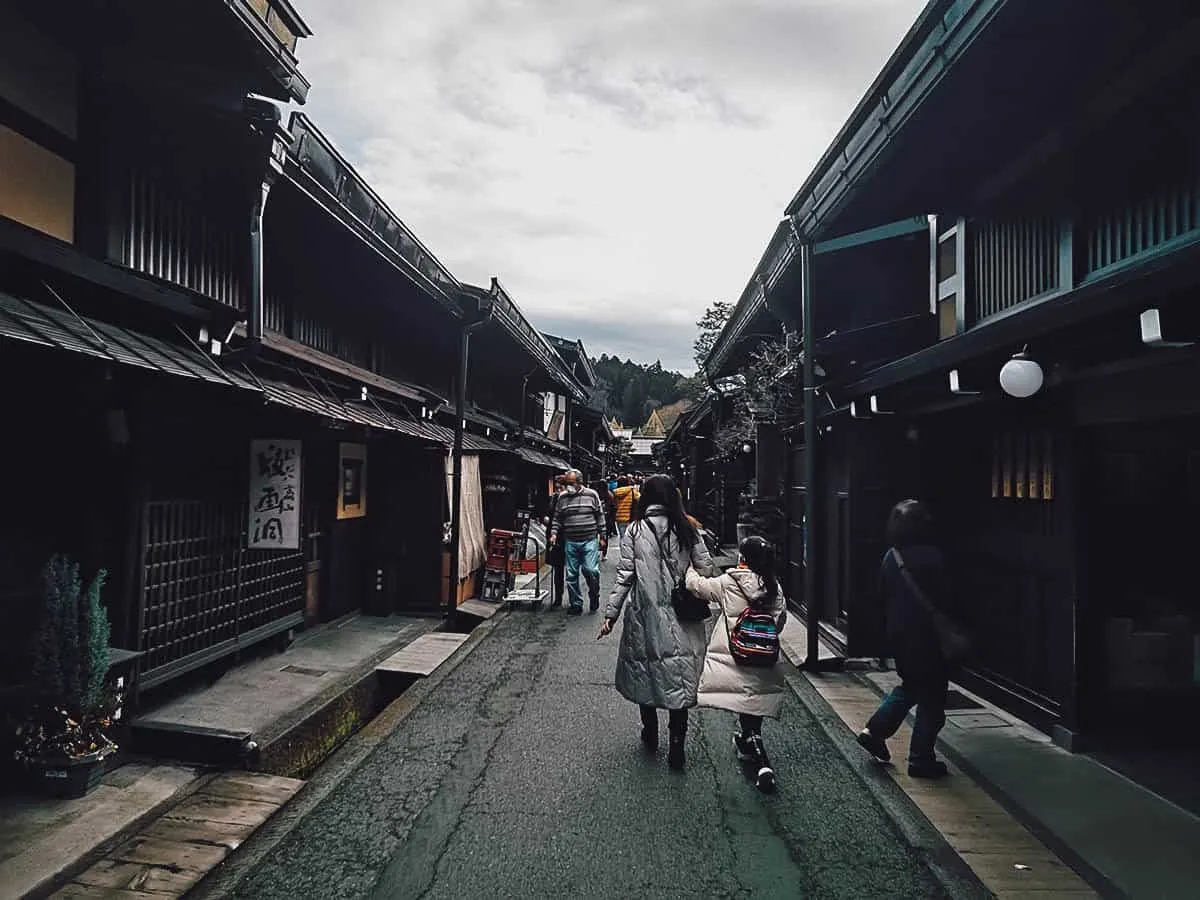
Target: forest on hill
{"points": [[629, 391]]}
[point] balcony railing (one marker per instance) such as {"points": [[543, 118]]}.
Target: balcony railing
{"points": [[1014, 261], [1011, 262], [1138, 227], [191, 235]]}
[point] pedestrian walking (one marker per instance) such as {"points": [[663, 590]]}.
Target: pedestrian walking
{"points": [[625, 499], [660, 656], [917, 604], [578, 527], [610, 512], [555, 557], [749, 683]]}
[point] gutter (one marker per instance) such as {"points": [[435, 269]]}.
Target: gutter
{"points": [[487, 308], [265, 119]]}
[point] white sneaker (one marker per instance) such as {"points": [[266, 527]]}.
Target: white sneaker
{"points": [[765, 780]]}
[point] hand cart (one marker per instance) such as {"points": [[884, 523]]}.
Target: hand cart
{"points": [[506, 558]]}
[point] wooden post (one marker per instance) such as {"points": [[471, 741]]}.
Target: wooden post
{"points": [[810, 460]]}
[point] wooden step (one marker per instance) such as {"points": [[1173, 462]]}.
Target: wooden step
{"points": [[480, 609], [422, 656]]}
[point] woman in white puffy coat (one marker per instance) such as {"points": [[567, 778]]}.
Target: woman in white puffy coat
{"points": [[660, 657], [753, 692]]}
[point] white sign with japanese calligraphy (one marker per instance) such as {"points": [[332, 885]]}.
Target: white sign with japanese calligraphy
{"points": [[274, 495]]}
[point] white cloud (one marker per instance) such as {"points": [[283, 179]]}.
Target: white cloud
{"points": [[619, 165]]}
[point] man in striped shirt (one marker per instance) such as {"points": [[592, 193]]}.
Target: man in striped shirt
{"points": [[578, 527]]}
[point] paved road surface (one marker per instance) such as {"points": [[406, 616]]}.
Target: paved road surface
{"points": [[522, 776]]}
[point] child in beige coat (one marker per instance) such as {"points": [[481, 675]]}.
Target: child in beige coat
{"points": [[753, 692]]}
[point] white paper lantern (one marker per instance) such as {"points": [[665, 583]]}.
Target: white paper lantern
{"points": [[1021, 376]]}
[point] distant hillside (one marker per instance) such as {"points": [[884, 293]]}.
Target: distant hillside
{"points": [[629, 390]]}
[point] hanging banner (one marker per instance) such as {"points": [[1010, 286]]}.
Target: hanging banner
{"points": [[274, 522]]}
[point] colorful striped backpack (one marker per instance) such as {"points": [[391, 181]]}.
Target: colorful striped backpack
{"points": [[754, 638]]}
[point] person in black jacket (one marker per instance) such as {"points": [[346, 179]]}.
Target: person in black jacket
{"points": [[555, 557], [913, 640]]}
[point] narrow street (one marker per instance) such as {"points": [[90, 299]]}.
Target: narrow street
{"points": [[521, 775]]}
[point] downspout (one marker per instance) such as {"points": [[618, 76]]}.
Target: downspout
{"points": [[524, 403], [256, 318], [267, 118], [460, 410]]}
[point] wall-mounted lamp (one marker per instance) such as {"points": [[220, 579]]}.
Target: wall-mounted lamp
{"points": [[876, 410], [956, 385], [1152, 331], [747, 448], [362, 393], [1021, 376]]}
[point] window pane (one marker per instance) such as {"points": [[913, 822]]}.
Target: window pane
{"points": [[947, 265], [948, 317], [281, 31], [38, 187]]}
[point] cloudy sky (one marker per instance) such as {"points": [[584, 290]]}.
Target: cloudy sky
{"points": [[619, 164]]}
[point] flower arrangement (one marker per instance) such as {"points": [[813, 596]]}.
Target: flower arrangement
{"points": [[71, 703]]}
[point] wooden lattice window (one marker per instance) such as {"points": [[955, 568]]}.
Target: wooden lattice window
{"points": [[1023, 465]]}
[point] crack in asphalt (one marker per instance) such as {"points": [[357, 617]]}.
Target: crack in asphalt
{"points": [[414, 871]]}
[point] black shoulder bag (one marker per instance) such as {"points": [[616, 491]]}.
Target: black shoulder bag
{"points": [[952, 639], [688, 607]]}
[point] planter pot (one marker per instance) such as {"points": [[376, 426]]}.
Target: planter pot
{"points": [[70, 778]]}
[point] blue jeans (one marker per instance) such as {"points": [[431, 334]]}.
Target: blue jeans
{"points": [[583, 556], [929, 697]]}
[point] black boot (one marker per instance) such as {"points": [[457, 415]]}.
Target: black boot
{"points": [[650, 728], [677, 725], [675, 755]]}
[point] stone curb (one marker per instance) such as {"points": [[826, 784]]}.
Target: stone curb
{"points": [[946, 866], [85, 861], [224, 879]]}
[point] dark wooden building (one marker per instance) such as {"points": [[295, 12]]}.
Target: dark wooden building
{"points": [[969, 210], [227, 364]]}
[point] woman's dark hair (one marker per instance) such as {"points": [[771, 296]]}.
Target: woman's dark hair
{"points": [[909, 525], [660, 490], [759, 557]]}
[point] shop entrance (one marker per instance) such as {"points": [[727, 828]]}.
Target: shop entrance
{"points": [[1140, 597], [1139, 653]]}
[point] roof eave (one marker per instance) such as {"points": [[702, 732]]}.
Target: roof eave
{"points": [[925, 54]]}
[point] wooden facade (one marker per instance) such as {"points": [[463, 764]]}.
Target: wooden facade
{"points": [[1051, 221], [156, 339]]}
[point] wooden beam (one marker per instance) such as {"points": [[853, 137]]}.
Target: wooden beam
{"points": [[288, 347], [911, 225], [32, 245]]}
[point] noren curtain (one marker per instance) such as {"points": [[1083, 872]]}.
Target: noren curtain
{"points": [[472, 542]]}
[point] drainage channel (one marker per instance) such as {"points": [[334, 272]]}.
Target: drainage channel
{"points": [[299, 749]]}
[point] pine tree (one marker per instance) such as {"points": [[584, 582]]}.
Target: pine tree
{"points": [[97, 632], [71, 655], [47, 671]]}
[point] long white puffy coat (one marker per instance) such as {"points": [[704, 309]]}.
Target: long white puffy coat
{"points": [[660, 657], [724, 684]]}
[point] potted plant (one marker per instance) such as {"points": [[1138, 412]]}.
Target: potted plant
{"points": [[61, 737]]}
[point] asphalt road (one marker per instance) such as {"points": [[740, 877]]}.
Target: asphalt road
{"points": [[521, 775]]}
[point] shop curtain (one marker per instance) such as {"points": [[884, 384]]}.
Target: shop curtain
{"points": [[472, 541]]}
